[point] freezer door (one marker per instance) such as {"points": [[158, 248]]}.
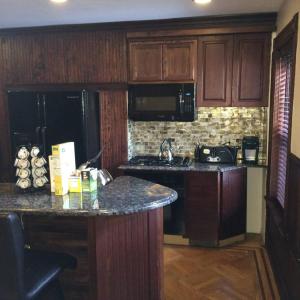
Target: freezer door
{"points": [[63, 121], [24, 118]]}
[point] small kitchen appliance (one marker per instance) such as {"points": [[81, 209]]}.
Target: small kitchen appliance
{"points": [[162, 102], [166, 150], [216, 154], [250, 145]]}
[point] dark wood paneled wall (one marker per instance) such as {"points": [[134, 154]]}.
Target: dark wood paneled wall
{"points": [[113, 133], [58, 57], [283, 235], [293, 205]]}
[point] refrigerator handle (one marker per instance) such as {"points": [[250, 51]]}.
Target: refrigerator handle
{"points": [[37, 134], [44, 110], [43, 131]]}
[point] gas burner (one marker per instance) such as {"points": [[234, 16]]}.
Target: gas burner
{"points": [[156, 161]]}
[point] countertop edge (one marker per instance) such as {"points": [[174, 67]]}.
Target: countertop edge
{"points": [[145, 201]]}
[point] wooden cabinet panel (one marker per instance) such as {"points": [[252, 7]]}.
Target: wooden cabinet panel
{"points": [[145, 61], [162, 61], [214, 82], [215, 206], [202, 197], [233, 204], [251, 66], [179, 60], [113, 125]]}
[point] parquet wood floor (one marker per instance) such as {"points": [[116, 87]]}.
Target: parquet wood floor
{"points": [[237, 272]]}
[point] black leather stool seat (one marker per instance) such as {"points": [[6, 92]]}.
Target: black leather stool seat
{"points": [[43, 267], [28, 274]]}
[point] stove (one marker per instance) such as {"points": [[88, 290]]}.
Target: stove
{"points": [[156, 161]]}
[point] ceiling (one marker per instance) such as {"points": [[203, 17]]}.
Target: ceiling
{"points": [[26, 13]]}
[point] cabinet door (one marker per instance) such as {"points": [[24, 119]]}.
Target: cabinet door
{"points": [[214, 82], [202, 198], [233, 203], [251, 66], [145, 61], [179, 60]]}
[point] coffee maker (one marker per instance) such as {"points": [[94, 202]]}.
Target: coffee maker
{"points": [[250, 146]]}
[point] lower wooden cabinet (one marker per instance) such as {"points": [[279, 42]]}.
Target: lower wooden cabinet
{"points": [[215, 206], [211, 206]]}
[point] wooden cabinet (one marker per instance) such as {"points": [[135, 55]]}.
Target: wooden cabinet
{"points": [[202, 206], [233, 70], [211, 206], [215, 70], [233, 203], [215, 206], [179, 60], [145, 61], [251, 66], [162, 61]]}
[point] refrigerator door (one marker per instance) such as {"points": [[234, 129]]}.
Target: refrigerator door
{"points": [[24, 118], [63, 121]]}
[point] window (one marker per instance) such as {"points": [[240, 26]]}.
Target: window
{"points": [[281, 110]]}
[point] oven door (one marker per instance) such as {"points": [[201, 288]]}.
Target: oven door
{"points": [[155, 102]]}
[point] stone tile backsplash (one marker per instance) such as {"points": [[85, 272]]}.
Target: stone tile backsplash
{"points": [[214, 126]]}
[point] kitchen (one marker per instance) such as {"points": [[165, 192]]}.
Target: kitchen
{"points": [[227, 59]]}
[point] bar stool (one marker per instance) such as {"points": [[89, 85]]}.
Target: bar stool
{"points": [[28, 274]]}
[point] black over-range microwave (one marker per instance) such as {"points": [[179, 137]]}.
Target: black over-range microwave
{"points": [[162, 102]]}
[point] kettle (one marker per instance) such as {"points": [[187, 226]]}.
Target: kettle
{"points": [[104, 177], [166, 149]]}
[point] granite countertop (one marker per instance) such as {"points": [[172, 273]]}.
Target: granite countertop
{"points": [[124, 195], [195, 166]]}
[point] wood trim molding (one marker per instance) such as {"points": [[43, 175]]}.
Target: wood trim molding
{"points": [[287, 33], [262, 22], [230, 29], [67, 87]]}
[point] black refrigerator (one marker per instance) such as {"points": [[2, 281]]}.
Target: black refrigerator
{"points": [[53, 117]]}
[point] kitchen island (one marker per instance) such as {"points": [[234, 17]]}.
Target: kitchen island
{"points": [[212, 201], [116, 234]]}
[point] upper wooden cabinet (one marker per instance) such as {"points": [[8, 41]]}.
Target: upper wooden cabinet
{"points": [[166, 61], [179, 60], [251, 66], [145, 61], [233, 70], [215, 70]]}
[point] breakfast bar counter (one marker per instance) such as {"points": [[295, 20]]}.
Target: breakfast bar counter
{"points": [[124, 195], [115, 233]]}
